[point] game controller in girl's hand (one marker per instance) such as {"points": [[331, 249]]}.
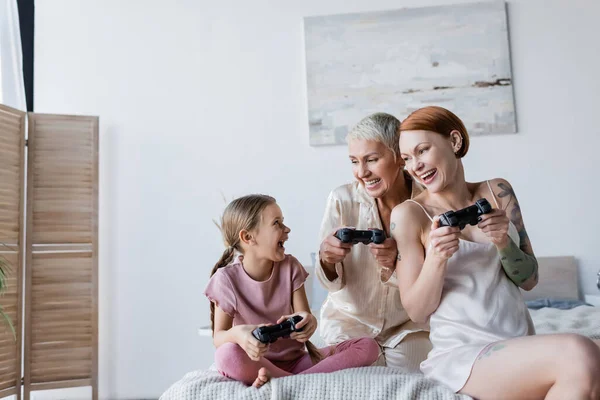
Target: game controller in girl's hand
{"points": [[269, 334]]}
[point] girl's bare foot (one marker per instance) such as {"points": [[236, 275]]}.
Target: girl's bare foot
{"points": [[262, 378]]}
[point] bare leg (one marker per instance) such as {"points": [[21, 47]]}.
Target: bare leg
{"points": [[564, 366]]}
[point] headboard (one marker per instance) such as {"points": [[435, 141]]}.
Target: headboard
{"points": [[558, 279]]}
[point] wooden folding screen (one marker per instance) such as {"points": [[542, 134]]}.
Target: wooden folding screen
{"points": [[61, 256], [61, 291], [12, 167]]}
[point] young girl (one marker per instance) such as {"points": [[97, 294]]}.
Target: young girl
{"points": [[265, 286]]}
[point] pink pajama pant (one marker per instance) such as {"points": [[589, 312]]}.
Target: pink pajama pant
{"points": [[233, 362]]}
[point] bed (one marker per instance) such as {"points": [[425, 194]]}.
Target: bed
{"points": [[558, 287]]}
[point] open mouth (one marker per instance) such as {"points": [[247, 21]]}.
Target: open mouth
{"points": [[280, 244], [372, 183], [429, 176]]}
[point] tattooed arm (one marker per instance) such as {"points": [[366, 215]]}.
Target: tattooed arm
{"points": [[519, 262]]}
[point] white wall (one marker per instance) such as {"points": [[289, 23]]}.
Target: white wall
{"points": [[199, 98], [12, 90]]}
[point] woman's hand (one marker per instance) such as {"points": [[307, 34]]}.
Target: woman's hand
{"points": [[332, 250], [309, 323], [443, 241], [385, 253], [252, 346], [495, 226]]}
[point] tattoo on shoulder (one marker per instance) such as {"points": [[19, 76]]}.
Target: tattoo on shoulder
{"points": [[399, 257], [515, 212], [393, 226], [506, 190]]}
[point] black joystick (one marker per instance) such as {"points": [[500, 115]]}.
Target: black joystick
{"points": [[469, 215], [269, 334], [349, 235]]}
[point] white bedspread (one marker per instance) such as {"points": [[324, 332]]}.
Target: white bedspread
{"points": [[583, 320], [364, 383]]}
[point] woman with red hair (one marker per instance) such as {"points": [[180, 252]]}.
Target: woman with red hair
{"points": [[466, 282]]}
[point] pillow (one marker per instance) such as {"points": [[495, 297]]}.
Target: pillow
{"points": [[561, 304]]}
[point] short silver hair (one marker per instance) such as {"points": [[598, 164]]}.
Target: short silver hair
{"points": [[380, 127]]}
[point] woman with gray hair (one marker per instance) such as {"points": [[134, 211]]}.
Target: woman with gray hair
{"points": [[363, 297]]}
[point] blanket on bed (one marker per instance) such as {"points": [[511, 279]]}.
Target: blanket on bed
{"points": [[584, 320], [355, 383], [365, 383]]}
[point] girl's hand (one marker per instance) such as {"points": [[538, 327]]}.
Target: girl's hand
{"points": [[443, 242], [252, 346], [495, 226], [309, 323]]}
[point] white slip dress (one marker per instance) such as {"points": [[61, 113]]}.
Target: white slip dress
{"points": [[479, 306]]}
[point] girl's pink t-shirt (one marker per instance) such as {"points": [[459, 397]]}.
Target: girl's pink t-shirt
{"points": [[250, 302]]}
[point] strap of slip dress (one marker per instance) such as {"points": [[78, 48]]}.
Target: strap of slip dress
{"points": [[493, 195], [422, 208]]}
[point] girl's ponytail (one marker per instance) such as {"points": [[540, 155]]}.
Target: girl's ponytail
{"points": [[314, 353]]}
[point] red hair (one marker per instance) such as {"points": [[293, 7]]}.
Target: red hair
{"points": [[438, 120]]}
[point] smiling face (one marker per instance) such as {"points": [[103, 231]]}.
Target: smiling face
{"points": [[271, 234], [374, 166], [430, 157]]}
